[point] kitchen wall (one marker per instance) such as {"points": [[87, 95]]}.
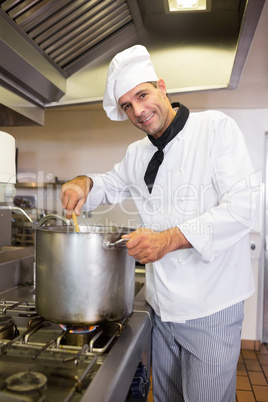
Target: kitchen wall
{"points": [[83, 141]]}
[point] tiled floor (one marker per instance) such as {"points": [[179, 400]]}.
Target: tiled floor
{"points": [[252, 376]]}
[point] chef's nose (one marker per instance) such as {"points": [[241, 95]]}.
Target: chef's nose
{"points": [[138, 109]]}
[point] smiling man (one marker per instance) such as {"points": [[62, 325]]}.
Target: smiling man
{"points": [[148, 107], [192, 181]]}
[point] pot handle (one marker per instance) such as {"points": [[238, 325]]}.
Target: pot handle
{"points": [[117, 243], [52, 216]]}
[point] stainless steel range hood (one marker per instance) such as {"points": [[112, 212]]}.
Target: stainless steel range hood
{"points": [[45, 43]]}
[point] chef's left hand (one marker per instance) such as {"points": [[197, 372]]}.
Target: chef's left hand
{"points": [[146, 245]]}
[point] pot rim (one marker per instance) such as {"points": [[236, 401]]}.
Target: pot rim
{"points": [[94, 229]]}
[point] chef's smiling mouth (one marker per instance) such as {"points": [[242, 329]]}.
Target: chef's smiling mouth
{"points": [[147, 119]]}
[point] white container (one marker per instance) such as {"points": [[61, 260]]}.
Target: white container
{"points": [[7, 158]]}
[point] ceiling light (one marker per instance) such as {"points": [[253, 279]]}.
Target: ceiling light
{"points": [[187, 5]]}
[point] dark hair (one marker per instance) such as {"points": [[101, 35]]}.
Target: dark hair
{"points": [[154, 83]]}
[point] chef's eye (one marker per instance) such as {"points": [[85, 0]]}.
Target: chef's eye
{"points": [[126, 107]]}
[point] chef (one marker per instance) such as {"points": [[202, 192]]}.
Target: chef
{"points": [[193, 184]]}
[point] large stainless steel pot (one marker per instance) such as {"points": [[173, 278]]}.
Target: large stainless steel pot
{"points": [[83, 278]]}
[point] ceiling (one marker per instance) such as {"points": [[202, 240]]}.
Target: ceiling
{"points": [[57, 51]]}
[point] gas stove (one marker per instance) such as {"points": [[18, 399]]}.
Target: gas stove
{"points": [[43, 361]]}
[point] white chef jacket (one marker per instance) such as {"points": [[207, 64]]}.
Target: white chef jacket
{"points": [[205, 186]]}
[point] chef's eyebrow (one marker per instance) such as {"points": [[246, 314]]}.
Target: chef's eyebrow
{"points": [[124, 104], [136, 94]]}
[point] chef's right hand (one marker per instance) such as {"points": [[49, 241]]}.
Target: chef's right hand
{"points": [[74, 194]]}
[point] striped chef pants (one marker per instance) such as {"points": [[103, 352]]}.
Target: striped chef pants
{"points": [[196, 361]]}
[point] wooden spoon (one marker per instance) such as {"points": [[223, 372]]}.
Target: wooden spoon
{"points": [[76, 226]]}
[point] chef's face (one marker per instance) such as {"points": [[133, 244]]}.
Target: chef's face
{"points": [[148, 108]]}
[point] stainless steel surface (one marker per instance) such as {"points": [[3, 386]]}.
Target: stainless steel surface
{"points": [[72, 373], [46, 80], [117, 243], [66, 30], [12, 208], [134, 341], [16, 267], [15, 110], [78, 279], [45, 43], [5, 225]]}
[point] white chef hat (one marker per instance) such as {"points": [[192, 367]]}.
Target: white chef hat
{"points": [[128, 69]]}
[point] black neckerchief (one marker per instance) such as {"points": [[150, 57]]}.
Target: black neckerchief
{"points": [[173, 129]]}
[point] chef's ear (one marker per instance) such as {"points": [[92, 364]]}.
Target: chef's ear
{"points": [[162, 87]]}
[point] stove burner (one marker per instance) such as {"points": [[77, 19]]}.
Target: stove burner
{"points": [[26, 382], [79, 330], [78, 336], [5, 320], [8, 328]]}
